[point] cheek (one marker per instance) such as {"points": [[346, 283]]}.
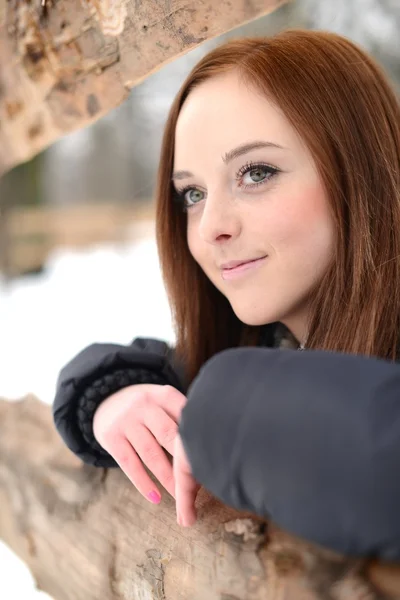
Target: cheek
{"points": [[191, 240], [202, 253], [305, 221], [196, 248]]}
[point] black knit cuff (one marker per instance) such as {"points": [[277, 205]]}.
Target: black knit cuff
{"points": [[93, 396]]}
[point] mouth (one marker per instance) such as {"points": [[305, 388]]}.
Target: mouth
{"points": [[235, 268]]}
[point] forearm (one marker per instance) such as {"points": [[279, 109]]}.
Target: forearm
{"points": [[311, 440]]}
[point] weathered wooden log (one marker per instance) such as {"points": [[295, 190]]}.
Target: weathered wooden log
{"points": [[86, 534], [65, 63]]}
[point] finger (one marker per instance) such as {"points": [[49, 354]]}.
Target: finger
{"points": [[162, 426], [154, 457], [186, 489], [172, 401], [130, 463], [185, 494]]}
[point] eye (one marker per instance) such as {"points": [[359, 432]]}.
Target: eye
{"points": [[252, 175], [193, 196], [189, 196], [255, 175]]}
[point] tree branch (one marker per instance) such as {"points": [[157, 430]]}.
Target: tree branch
{"points": [[66, 63], [86, 534]]}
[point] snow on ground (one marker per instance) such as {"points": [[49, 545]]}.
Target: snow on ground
{"points": [[105, 294]]}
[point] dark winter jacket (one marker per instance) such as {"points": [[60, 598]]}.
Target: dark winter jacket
{"points": [[309, 439]]}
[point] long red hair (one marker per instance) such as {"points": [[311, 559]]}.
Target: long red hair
{"points": [[342, 105]]}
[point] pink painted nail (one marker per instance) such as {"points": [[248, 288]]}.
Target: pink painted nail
{"points": [[154, 497]]}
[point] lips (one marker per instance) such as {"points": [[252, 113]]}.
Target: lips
{"points": [[238, 268], [236, 263]]}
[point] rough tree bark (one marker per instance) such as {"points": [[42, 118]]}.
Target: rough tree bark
{"points": [[87, 534], [65, 63]]}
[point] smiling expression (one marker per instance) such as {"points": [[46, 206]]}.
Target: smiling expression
{"points": [[258, 218]]}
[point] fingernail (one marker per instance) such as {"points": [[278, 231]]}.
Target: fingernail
{"points": [[154, 497]]}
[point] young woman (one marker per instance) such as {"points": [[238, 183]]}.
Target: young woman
{"points": [[278, 227]]}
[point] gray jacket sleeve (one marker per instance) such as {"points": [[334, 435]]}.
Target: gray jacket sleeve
{"points": [[96, 373], [309, 439]]}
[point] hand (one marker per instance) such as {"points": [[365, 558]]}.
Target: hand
{"points": [[186, 487], [134, 425]]}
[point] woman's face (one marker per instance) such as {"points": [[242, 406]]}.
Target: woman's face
{"points": [[258, 218]]}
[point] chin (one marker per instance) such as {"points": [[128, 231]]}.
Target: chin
{"points": [[256, 318], [257, 322]]}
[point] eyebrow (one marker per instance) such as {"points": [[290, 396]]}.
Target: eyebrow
{"points": [[245, 148], [231, 155]]}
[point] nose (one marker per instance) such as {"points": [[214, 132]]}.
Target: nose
{"points": [[220, 220]]}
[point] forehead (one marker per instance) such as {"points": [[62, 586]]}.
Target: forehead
{"points": [[224, 112]]}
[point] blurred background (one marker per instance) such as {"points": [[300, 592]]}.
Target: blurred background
{"points": [[78, 262], [97, 183]]}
